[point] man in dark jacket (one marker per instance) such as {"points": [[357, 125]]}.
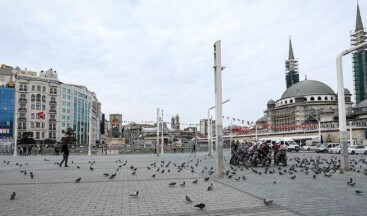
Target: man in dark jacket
{"points": [[65, 151]]}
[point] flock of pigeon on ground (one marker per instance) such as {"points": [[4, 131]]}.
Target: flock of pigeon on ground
{"points": [[308, 166]]}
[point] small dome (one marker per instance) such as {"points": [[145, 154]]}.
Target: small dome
{"points": [[263, 119], [308, 87], [347, 92], [362, 104], [271, 102]]}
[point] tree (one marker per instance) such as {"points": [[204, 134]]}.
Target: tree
{"points": [[26, 138], [69, 137]]}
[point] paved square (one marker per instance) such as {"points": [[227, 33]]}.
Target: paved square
{"points": [[53, 190]]}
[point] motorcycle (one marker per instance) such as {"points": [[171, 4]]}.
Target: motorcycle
{"points": [[256, 158], [281, 157]]}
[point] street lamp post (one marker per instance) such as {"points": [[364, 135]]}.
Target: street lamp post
{"points": [[341, 106], [209, 123], [162, 151], [318, 121], [157, 140], [350, 133]]}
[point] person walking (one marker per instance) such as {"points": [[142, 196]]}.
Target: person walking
{"points": [[65, 151], [193, 149]]}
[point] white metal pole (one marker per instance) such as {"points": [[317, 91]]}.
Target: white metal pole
{"points": [[208, 130], [231, 138], [90, 131], [162, 151], [350, 133], [256, 131], [319, 132], [15, 132], [218, 107], [157, 141]]}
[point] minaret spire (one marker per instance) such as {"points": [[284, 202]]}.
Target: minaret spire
{"points": [[291, 67], [359, 24], [290, 55]]}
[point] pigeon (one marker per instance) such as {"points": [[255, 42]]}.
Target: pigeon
{"points": [[135, 194], [237, 179], [112, 176], [91, 168], [268, 201], [153, 176], [357, 192], [12, 197], [274, 181], [314, 176], [244, 178], [78, 167], [352, 184], [106, 174], [188, 199], [172, 184], [195, 182], [32, 176], [201, 205], [293, 177], [78, 180], [133, 173], [148, 168], [183, 184], [72, 162], [206, 179], [210, 187], [162, 171]]}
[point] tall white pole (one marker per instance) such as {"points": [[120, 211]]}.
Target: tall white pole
{"points": [[162, 151], [350, 133], [157, 141], [256, 131], [319, 132], [90, 131], [218, 107], [15, 132], [231, 138], [209, 139]]}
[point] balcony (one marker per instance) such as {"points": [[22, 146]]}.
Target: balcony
{"points": [[22, 128], [53, 102], [52, 128], [22, 119], [52, 111], [22, 109], [52, 120], [23, 100], [23, 89], [53, 92]]}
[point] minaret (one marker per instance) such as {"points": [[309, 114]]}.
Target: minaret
{"points": [[291, 68], [359, 59]]}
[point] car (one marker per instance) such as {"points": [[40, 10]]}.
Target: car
{"points": [[334, 150], [357, 149], [325, 147], [310, 147]]}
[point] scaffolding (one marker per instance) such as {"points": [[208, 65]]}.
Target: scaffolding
{"points": [[359, 60]]}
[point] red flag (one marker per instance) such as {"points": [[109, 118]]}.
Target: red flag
{"points": [[40, 115]]}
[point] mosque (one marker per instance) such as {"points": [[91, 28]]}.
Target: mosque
{"points": [[305, 104]]}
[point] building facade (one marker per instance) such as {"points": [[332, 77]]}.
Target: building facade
{"points": [[6, 113]]}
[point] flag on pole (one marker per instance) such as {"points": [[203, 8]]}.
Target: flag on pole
{"points": [[40, 115]]}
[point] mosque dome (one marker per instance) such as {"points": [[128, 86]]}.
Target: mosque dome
{"points": [[308, 87], [271, 102], [362, 104]]}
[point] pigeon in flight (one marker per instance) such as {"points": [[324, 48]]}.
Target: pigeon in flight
{"points": [[268, 201], [172, 184], [78, 180], [12, 197], [188, 199], [135, 194], [201, 205]]}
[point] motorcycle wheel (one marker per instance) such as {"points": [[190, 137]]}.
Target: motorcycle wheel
{"points": [[248, 162], [231, 161]]}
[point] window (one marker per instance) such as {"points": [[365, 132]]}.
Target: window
{"points": [[291, 101], [68, 96], [38, 98], [68, 118], [331, 98], [68, 91], [37, 135], [53, 99], [325, 98], [38, 88], [32, 106], [38, 125], [319, 98], [33, 88], [63, 110], [38, 106], [64, 90], [63, 124], [43, 107], [32, 115], [312, 99], [68, 110], [63, 117], [43, 98], [63, 95], [32, 124], [23, 96], [63, 103], [44, 88], [68, 103]]}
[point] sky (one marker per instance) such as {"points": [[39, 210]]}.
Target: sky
{"points": [[142, 55]]}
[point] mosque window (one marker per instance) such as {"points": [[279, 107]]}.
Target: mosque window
{"points": [[331, 98], [325, 98], [291, 101], [319, 98], [312, 99], [285, 102]]}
